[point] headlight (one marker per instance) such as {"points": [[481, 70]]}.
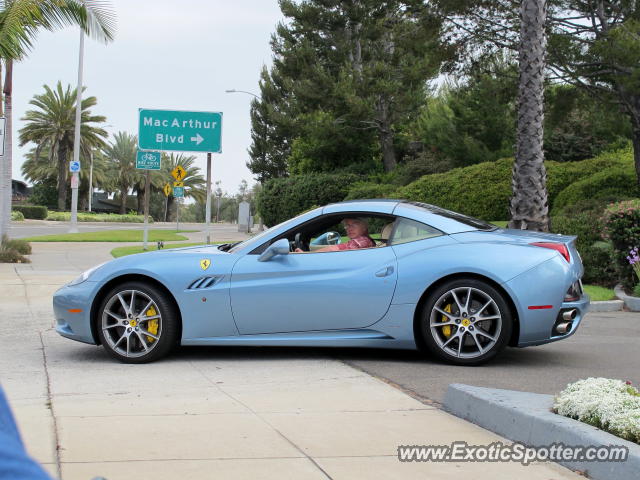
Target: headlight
{"points": [[85, 275]]}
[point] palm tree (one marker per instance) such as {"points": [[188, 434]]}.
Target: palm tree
{"points": [[39, 169], [52, 126], [20, 22], [122, 155], [194, 182], [529, 203]]}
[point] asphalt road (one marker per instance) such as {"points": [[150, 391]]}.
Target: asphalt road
{"points": [[30, 228], [605, 345]]}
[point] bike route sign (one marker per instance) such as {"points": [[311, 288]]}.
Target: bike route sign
{"points": [[180, 131], [148, 160]]}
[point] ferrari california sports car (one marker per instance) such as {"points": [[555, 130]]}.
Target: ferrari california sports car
{"points": [[432, 279]]}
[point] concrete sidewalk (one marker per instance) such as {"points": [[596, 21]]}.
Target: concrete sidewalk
{"points": [[208, 412]]}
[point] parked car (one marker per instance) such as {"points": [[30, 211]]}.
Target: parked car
{"points": [[455, 286]]}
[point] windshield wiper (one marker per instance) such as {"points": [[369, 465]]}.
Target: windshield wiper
{"points": [[225, 247]]}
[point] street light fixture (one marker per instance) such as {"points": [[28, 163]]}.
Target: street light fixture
{"points": [[233, 90]]}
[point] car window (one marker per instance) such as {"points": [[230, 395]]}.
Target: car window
{"points": [[407, 230]]}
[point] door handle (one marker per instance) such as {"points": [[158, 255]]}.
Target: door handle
{"points": [[385, 272]]}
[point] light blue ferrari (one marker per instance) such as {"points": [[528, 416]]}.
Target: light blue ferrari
{"points": [[433, 279]]}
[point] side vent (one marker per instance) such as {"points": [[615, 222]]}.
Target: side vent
{"points": [[203, 282]]}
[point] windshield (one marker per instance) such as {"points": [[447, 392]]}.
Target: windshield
{"points": [[255, 240]]}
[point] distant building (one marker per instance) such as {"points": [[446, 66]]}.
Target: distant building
{"points": [[100, 203], [20, 191]]}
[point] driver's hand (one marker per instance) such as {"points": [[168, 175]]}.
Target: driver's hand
{"points": [[299, 250]]}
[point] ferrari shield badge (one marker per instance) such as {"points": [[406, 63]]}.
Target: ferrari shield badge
{"points": [[204, 263]]}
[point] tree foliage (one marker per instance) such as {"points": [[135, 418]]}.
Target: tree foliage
{"points": [[51, 127], [345, 74]]}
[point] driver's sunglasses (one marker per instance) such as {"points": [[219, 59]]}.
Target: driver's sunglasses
{"points": [[350, 225]]}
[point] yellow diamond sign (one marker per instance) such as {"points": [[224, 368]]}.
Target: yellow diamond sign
{"points": [[179, 172], [167, 189], [178, 184]]}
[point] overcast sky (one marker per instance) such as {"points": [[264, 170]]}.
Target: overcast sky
{"points": [[176, 55]]}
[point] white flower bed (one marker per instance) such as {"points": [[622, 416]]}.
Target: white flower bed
{"points": [[612, 405]]}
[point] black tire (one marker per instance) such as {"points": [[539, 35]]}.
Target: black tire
{"points": [[465, 338], [145, 340]]}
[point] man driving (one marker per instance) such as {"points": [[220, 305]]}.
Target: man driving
{"points": [[358, 233]]}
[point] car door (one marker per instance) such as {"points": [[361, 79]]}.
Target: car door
{"points": [[313, 291]]}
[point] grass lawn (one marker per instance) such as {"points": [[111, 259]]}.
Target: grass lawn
{"points": [[112, 236], [599, 294], [123, 251], [500, 223]]}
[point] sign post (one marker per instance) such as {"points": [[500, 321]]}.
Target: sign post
{"points": [[178, 190], [207, 208], [74, 168], [147, 161]]}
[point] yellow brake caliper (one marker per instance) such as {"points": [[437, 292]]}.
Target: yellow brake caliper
{"points": [[446, 330], [152, 325]]}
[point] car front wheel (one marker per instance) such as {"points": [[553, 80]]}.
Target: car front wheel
{"points": [[136, 323], [466, 322]]}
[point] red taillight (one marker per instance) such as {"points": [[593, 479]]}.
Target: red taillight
{"points": [[560, 247]]}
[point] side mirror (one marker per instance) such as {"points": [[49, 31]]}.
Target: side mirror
{"points": [[281, 247]]}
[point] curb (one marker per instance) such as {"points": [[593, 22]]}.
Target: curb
{"points": [[606, 306], [632, 303], [527, 418]]}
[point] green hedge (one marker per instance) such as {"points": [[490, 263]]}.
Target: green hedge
{"points": [[98, 217], [597, 255], [616, 183], [36, 212], [364, 190], [17, 216], [283, 198], [483, 190], [622, 227]]}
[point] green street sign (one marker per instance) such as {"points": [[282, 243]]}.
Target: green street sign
{"points": [[180, 131], [178, 192], [148, 160]]}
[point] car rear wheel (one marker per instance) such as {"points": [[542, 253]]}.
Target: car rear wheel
{"points": [[466, 322], [136, 323]]}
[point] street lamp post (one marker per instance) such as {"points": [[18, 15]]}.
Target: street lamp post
{"points": [[90, 179], [73, 228]]}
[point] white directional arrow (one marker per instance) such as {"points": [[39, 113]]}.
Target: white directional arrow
{"points": [[198, 139]]}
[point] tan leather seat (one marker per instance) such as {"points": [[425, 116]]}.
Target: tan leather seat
{"points": [[385, 235]]}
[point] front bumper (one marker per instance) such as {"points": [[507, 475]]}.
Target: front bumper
{"points": [[72, 310]]}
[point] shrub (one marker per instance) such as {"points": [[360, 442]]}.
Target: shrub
{"points": [[596, 255], [37, 212], [283, 198], [361, 190], [483, 190], [12, 251], [622, 227], [17, 216], [21, 246], [98, 217], [618, 183], [608, 404]]}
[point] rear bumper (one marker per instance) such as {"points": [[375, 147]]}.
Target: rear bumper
{"points": [[581, 306], [538, 295]]}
